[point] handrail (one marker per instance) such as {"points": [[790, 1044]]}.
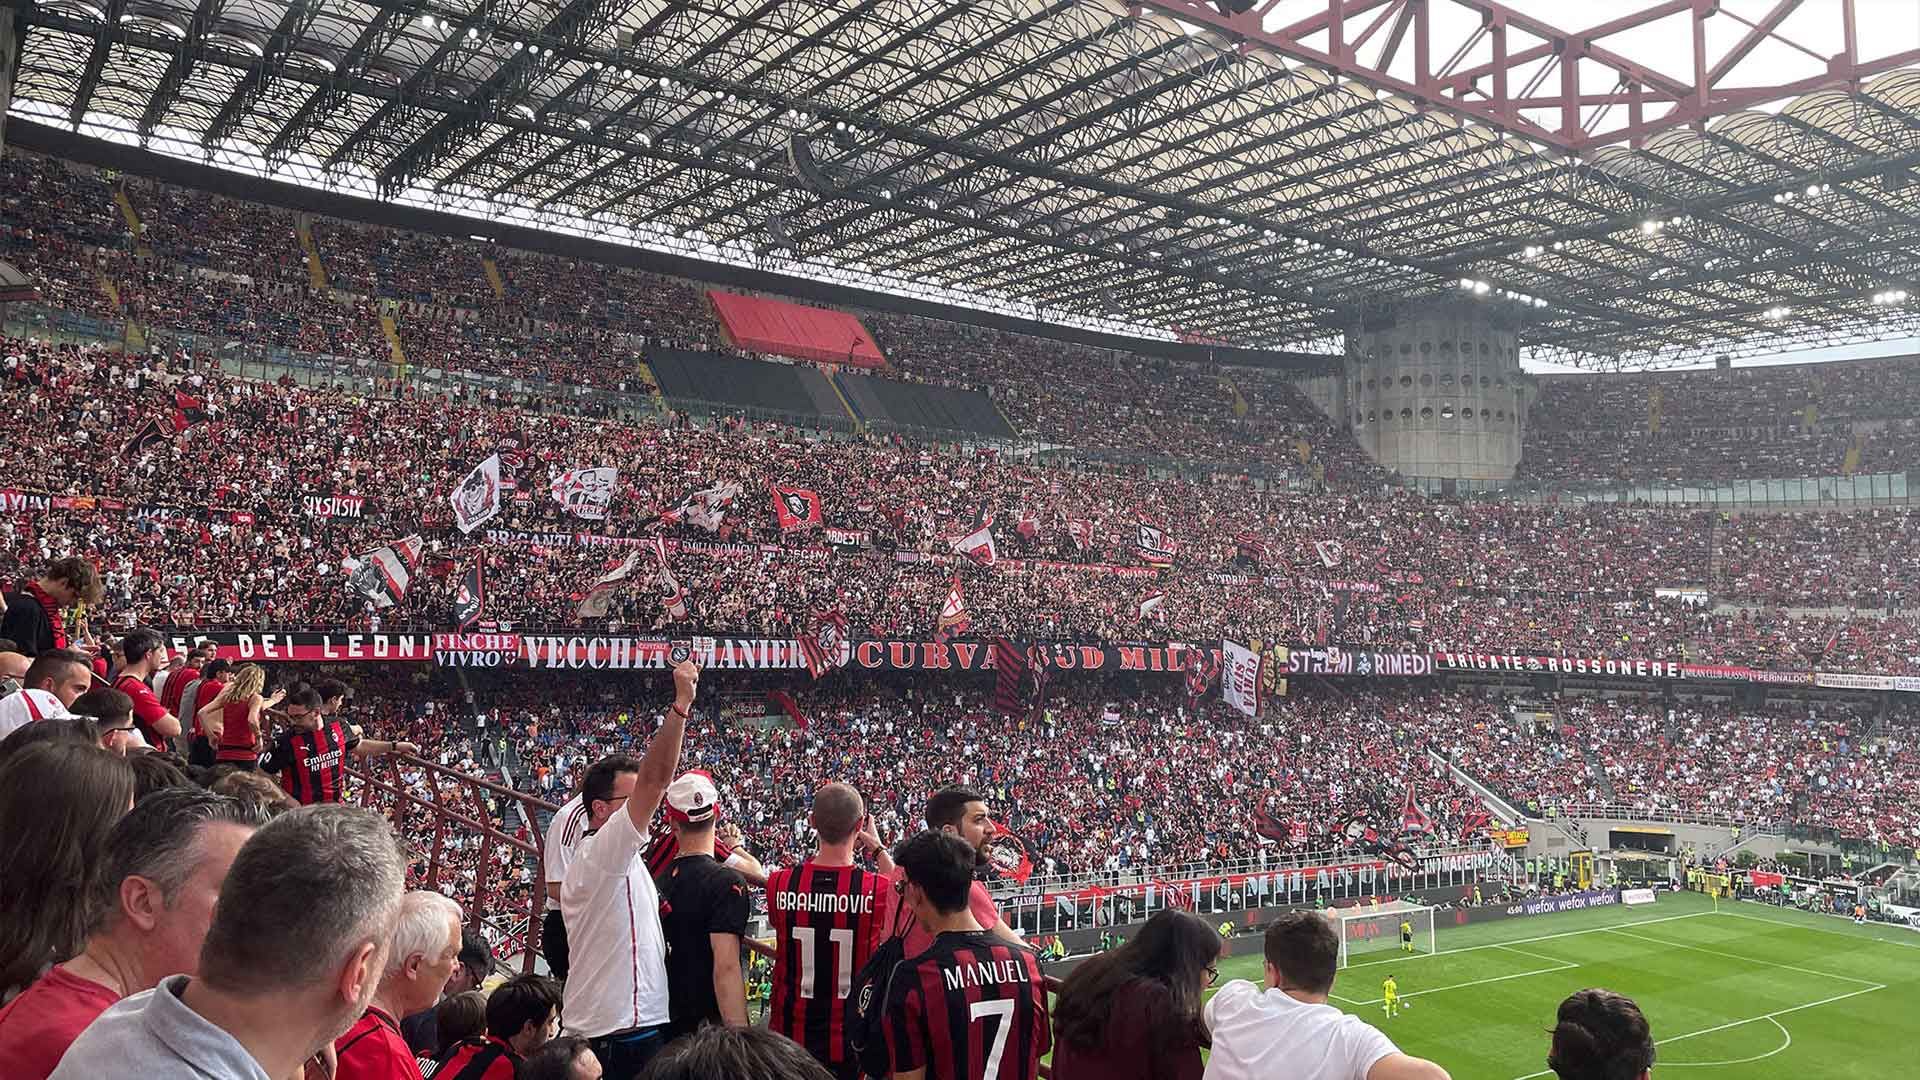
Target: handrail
{"points": [[1679, 815], [1188, 871], [394, 786]]}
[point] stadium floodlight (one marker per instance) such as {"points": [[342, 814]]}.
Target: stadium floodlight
{"points": [[1370, 930], [1650, 227]]}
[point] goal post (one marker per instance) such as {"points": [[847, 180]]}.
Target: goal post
{"points": [[1369, 929]]}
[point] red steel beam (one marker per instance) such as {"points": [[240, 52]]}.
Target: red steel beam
{"points": [[1458, 93], [1761, 31]]}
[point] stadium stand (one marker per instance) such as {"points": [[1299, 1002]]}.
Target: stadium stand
{"points": [[712, 382], [891, 405]]}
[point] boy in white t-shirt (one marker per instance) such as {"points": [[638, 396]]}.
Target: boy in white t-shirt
{"points": [[1287, 1029]]}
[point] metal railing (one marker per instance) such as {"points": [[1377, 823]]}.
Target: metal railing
{"points": [[513, 928], [1748, 825]]}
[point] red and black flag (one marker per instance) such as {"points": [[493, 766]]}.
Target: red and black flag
{"points": [[1268, 827], [1010, 668], [187, 411], [150, 436], [821, 645], [1202, 668], [795, 508], [470, 599]]}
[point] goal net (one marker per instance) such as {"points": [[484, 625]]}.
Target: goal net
{"points": [[1375, 928]]}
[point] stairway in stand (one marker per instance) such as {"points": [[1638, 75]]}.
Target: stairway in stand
{"points": [[316, 273], [133, 221]]}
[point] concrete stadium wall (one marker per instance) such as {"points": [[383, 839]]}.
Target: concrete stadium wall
{"points": [[1439, 394]]}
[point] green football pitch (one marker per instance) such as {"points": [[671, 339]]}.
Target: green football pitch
{"points": [[1731, 991]]}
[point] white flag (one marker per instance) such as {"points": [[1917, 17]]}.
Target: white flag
{"points": [[586, 492], [601, 594], [1154, 602], [383, 574], [1240, 678], [477, 499], [1330, 552], [977, 546]]}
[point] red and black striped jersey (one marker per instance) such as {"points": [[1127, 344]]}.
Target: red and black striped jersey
{"points": [[826, 921], [972, 1007], [663, 847], [313, 764]]}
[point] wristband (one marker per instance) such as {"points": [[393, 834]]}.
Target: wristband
{"points": [[684, 714]]}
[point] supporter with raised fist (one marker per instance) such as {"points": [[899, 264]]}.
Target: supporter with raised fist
{"points": [[617, 989]]}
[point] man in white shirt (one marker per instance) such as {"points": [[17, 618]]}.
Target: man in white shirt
{"points": [[617, 982], [564, 835], [1287, 1030]]}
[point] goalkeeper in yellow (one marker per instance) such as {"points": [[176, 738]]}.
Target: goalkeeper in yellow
{"points": [[1390, 996], [1406, 936]]}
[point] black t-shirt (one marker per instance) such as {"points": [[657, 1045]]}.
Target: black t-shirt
{"points": [[698, 896]]}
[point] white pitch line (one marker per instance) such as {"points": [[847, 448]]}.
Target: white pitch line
{"points": [[1781, 1049], [1525, 940], [1817, 929], [1535, 955], [1749, 959], [1738, 1023], [1563, 966]]}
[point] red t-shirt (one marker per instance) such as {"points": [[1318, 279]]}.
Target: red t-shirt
{"points": [[500, 1068], [177, 685], [372, 1049], [37, 1027], [147, 709]]}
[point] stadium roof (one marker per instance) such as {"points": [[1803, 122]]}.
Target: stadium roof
{"points": [[1269, 177]]}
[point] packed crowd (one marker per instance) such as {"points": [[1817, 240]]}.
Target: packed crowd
{"points": [[230, 270], [212, 528], [1808, 420]]}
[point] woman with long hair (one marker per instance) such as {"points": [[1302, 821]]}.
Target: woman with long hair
{"points": [[1600, 1035], [1135, 1012], [58, 802], [231, 720]]}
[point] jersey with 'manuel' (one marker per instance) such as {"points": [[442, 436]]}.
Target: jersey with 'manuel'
{"points": [[972, 1007], [826, 922]]}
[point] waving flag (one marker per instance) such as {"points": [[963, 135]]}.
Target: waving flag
{"points": [[187, 411], [586, 493], [706, 509], [477, 499], [471, 597], [1010, 673], [1081, 531], [1330, 552], [977, 546], [1154, 604], [1026, 524], [674, 598], [148, 437], [821, 646], [1240, 678], [1412, 818], [953, 614], [600, 595], [1155, 548], [795, 508], [383, 574]]}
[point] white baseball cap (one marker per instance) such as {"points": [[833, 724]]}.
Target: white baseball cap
{"points": [[693, 798]]}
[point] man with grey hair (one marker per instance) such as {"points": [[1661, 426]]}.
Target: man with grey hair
{"points": [[264, 1003], [426, 944], [160, 877]]}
